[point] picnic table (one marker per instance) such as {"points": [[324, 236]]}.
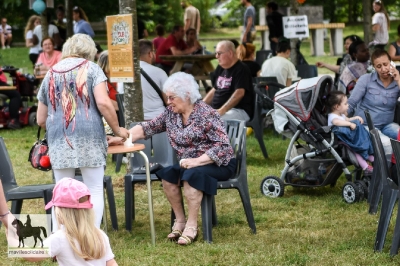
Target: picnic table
{"points": [[201, 68]]}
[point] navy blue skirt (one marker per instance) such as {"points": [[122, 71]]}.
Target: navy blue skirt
{"points": [[204, 178]]}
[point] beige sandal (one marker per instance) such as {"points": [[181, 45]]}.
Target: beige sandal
{"points": [[188, 239], [176, 233]]}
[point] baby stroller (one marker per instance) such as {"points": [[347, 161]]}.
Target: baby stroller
{"points": [[314, 157]]}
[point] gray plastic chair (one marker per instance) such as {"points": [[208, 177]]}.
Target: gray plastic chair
{"points": [[109, 190], [237, 134], [158, 150], [17, 194]]}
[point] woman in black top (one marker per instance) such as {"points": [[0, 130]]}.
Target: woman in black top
{"points": [[394, 48], [245, 52]]}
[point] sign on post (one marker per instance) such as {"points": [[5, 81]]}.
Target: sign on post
{"points": [[120, 53], [295, 27]]}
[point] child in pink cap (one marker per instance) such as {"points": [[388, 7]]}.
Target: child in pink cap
{"points": [[77, 241]]}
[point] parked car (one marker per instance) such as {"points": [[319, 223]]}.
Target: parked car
{"points": [[223, 14]]}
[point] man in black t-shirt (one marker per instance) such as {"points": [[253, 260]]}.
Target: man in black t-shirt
{"points": [[232, 93]]}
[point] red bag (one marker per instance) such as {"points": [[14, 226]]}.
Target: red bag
{"points": [[39, 154]]}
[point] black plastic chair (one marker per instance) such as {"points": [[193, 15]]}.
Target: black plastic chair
{"points": [[158, 150], [388, 189], [17, 194], [263, 55], [121, 109], [307, 71], [394, 249], [375, 184], [121, 120], [256, 123]]}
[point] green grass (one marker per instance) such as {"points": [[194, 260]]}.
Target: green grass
{"points": [[304, 227]]}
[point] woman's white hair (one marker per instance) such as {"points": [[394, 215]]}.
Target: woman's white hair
{"points": [[183, 85], [80, 45]]}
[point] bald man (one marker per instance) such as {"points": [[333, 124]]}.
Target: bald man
{"points": [[232, 93]]}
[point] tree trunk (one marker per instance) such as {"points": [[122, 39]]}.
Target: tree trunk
{"points": [[367, 21], [68, 14], [45, 24], [133, 99], [294, 10]]}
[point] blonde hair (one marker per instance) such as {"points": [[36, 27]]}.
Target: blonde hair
{"points": [[80, 45], [84, 238], [31, 23], [245, 51], [102, 61]]}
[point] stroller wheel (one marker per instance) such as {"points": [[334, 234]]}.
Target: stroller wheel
{"points": [[351, 192], [272, 187], [364, 188]]}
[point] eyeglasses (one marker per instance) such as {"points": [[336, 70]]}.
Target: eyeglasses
{"points": [[171, 98], [219, 53]]}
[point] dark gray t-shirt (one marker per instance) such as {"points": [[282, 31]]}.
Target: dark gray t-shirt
{"points": [[250, 12]]}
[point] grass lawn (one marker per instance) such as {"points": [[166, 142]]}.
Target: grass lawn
{"points": [[304, 227]]}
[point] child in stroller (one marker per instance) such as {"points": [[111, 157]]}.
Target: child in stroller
{"points": [[314, 158], [350, 130]]}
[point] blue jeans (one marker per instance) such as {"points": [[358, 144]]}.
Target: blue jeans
{"points": [[390, 131]]}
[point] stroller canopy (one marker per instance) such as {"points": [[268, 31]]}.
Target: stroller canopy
{"points": [[300, 98]]}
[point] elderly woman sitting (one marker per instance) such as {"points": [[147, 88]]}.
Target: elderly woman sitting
{"points": [[198, 136]]}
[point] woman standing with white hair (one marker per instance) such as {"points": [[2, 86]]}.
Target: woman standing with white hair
{"points": [[72, 99], [198, 136]]}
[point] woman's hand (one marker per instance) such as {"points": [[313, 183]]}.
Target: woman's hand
{"points": [[195, 162], [188, 163], [353, 126], [123, 133], [320, 64], [112, 141]]}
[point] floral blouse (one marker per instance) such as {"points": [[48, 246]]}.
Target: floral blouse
{"points": [[203, 133]]}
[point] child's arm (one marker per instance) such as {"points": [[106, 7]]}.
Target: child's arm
{"points": [[342, 123], [111, 263], [357, 117]]}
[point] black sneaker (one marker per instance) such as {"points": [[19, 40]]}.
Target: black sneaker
{"points": [[14, 124]]}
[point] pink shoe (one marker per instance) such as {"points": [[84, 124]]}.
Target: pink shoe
{"points": [[368, 170]]}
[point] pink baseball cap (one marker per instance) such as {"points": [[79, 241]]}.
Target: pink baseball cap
{"points": [[66, 194]]}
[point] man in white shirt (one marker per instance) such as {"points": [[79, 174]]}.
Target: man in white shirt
{"points": [[5, 34], [279, 66], [153, 105]]}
